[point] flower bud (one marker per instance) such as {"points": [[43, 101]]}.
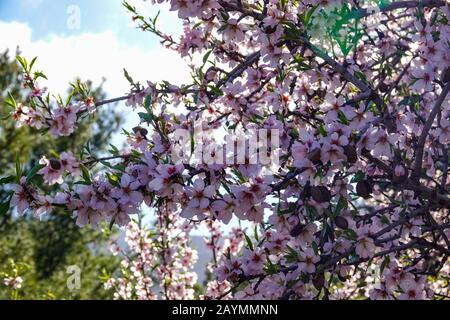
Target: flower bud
{"points": [[341, 222], [383, 87], [297, 230], [446, 75], [320, 194], [269, 30], [321, 93], [306, 192], [350, 153], [400, 174], [55, 164], [314, 155], [363, 189], [342, 278], [140, 130], [89, 101], [319, 281]]}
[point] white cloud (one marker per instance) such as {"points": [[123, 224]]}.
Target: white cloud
{"points": [[94, 56], [14, 34]]}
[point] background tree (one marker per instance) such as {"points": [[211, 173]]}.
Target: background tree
{"points": [[43, 250]]}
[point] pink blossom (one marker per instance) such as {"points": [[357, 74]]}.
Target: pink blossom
{"points": [[308, 259], [126, 193], [53, 171], [365, 247]]}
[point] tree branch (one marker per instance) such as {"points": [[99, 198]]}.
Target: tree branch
{"points": [[425, 131]]}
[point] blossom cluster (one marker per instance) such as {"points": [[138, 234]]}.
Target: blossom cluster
{"points": [[157, 264]]}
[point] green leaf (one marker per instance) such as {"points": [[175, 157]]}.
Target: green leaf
{"points": [[4, 207], [319, 173], [300, 62], [23, 63], [384, 219], [32, 63], [145, 117], [120, 167], [249, 242], [69, 98], [342, 204], [34, 171], [18, 169], [322, 130], [216, 90], [206, 56], [225, 186], [39, 74], [11, 101], [84, 183], [128, 6], [292, 255], [127, 75], [271, 268], [111, 224], [147, 102], [311, 212], [113, 179], [350, 234], [315, 248], [156, 18], [54, 154], [7, 180], [358, 177], [361, 76], [308, 15], [86, 175], [384, 264], [239, 175], [114, 151], [343, 118], [255, 232]]}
